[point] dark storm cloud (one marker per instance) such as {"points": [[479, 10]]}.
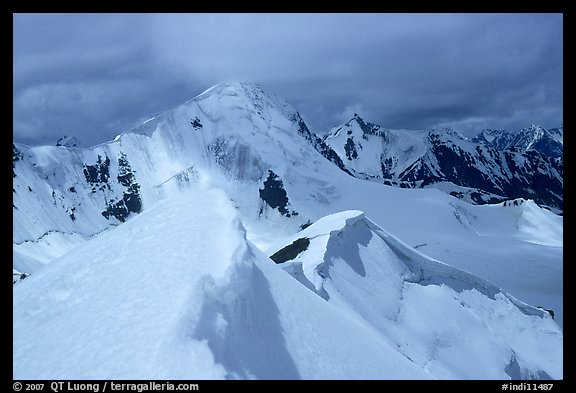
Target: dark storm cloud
{"points": [[86, 75], [96, 75]]}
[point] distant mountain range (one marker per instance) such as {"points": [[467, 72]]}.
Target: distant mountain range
{"points": [[494, 166]]}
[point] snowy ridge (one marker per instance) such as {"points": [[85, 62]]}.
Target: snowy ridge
{"points": [[361, 268], [429, 271], [222, 310]]}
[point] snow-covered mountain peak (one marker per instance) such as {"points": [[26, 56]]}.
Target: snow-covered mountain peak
{"points": [[535, 132], [356, 127], [247, 96], [221, 90], [233, 107], [228, 88], [232, 132], [448, 134], [535, 127], [223, 86]]}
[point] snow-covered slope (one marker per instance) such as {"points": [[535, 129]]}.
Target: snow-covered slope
{"points": [[179, 293], [487, 169], [434, 314]]}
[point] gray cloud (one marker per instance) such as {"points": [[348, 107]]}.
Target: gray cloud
{"points": [[94, 75]]}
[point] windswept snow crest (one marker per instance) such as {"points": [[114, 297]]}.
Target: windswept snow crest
{"points": [[179, 293], [434, 314]]}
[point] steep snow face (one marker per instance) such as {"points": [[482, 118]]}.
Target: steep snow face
{"points": [[434, 314], [233, 126], [63, 196], [178, 293], [233, 132]]}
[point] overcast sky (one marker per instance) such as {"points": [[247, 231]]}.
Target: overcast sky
{"points": [[95, 75]]}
